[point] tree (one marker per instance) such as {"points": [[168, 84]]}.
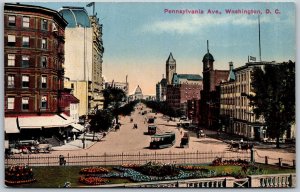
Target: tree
{"points": [[127, 108], [274, 99], [101, 121], [113, 97]]}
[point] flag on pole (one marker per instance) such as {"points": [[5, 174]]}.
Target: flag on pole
{"points": [[90, 4], [252, 58]]}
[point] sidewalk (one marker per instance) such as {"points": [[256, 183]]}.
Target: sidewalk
{"points": [[227, 138], [74, 145]]}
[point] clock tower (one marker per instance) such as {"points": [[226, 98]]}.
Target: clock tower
{"points": [[170, 68]]}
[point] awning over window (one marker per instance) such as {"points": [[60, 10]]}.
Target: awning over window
{"points": [[11, 125], [39, 122]]}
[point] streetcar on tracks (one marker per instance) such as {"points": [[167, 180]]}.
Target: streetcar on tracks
{"points": [[151, 129], [164, 140]]}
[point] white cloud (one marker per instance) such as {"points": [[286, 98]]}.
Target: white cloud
{"points": [[188, 24]]}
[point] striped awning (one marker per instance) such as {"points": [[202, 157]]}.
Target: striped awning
{"points": [[39, 122]]}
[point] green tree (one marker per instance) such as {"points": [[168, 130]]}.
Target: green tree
{"points": [[274, 98], [127, 108], [101, 121], [113, 98]]}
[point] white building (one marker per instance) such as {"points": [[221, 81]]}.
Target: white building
{"points": [[83, 57]]}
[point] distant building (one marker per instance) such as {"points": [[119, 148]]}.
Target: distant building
{"points": [[180, 88], [210, 95], [193, 110], [138, 94], [170, 68], [179, 94], [119, 85], [149, 97], [83, 59], [161, 90]]}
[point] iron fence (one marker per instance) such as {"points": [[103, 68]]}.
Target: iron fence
{"points": [[125, 158]]}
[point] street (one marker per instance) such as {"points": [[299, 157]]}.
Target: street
{"points": [[129, 140]]}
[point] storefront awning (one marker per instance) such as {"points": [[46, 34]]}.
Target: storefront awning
{"points": [[39, 122], [11, 125]]}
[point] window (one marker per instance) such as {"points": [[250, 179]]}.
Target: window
{"points": [[44, 61], [25, 81], [11, 40], [25, 23], [72, 85], [25, 61], [44, 102], [44, 81], [10, 103], [10, 81], [11, 60], [11, 20], [44, 24], [25, 103], [25, 42], [54, 27], [44, 43]]}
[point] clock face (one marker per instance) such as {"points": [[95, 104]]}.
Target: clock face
{"points": [[172, 67]]}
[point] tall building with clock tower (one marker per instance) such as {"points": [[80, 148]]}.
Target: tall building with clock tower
{"points": [[170, 68]]}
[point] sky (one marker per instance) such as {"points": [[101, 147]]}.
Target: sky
{"points": [[138, 37]]}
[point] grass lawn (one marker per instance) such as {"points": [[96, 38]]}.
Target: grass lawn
{"points": [[54, 177]]}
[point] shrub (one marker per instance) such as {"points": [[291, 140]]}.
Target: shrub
{"points": [[157, 169]]}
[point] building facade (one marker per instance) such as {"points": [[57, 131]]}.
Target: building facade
{"points": [[184, 87], [69, 104], [33, 59], [161, 90], [119, 85], [170, 68], [138, 95], [83, 57], [34, 39], [237, 115], [210, 95]]}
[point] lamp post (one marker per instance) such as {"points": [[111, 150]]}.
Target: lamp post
{"points": [[83, 141]]}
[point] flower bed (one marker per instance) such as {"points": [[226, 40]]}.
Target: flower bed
{"points": [[89, 180], [93, 170], [192, 168], [219, 162], [18, 174]]}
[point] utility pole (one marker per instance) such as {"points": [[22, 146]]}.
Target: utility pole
{"points": [[259, 38]]}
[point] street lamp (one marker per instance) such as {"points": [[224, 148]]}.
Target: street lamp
{"points": [[83, 141]]}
